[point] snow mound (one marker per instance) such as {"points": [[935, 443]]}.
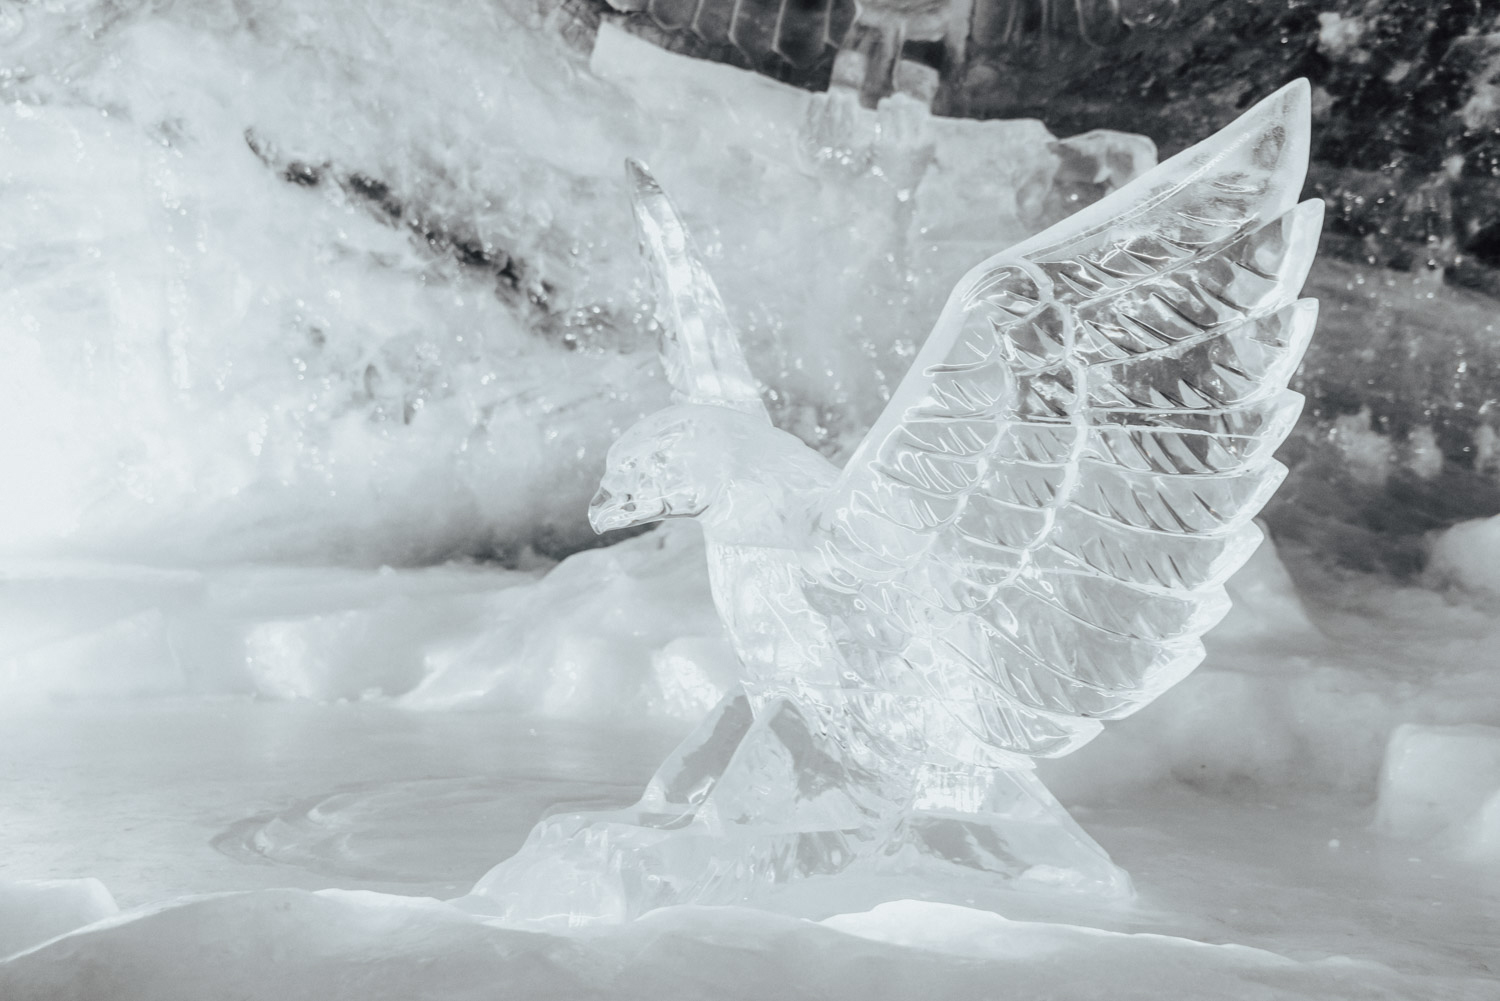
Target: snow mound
{"points": [[1441, 784], [1468, 554], [84, 630], [288, 945], [34, 911], [627, 630]]}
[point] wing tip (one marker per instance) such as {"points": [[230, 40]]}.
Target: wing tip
{"points": [[698, 345], [1289, 105], [1266, 147], [1310, 212], [1278, 132], [1307, 227], [1302, 226], [651, 204], [1296, 99], [640, 179]]}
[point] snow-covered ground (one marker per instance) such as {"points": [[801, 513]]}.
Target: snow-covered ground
{"points": [[1312, 814], [315, 320]]}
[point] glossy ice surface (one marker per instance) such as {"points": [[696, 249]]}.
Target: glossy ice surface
{"points": [[1030, 540]]}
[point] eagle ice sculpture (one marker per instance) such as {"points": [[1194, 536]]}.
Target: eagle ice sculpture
{"points": [[1029, 542]]}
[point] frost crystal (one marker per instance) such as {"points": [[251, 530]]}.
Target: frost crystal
{"points": [[1030, 540]]}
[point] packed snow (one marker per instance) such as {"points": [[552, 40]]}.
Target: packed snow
{"points": [[316, 320]]}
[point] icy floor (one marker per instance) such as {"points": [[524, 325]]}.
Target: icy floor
{"points": [[1270, 856], [164, 799], [195, 796], [329, 754]]}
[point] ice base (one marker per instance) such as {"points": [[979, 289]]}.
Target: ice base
{"points": [[753, 800]]}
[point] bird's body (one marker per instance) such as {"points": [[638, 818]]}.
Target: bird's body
{"points": [[1030, 541]]}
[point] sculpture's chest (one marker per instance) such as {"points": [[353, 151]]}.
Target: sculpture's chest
{"points": [[781, 642]]}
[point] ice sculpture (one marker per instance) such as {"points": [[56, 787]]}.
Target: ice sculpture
{"points": [[1030, 541]]}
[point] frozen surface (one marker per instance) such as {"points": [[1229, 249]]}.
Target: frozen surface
{"points": [[343, 945], [1299, 899], [191, 796], [1246, 806]]}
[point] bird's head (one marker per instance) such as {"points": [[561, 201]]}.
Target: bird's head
{"points": [[746, 480], [728, 467], [672, 464]]}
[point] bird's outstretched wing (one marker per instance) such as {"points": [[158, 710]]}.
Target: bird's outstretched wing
{"points": [[699, 348], [1039, 525]]}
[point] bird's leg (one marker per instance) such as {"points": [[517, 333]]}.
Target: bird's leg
{"points": [[1001, 821], [751, 800]]}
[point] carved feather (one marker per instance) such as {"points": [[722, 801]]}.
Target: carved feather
{"points": [[1062, 483]]}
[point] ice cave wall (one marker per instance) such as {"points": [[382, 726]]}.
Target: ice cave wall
{"points": [[356, 282]]}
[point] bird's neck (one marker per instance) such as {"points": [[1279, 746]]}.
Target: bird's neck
{"points": [[759, 515], [771, 487]]}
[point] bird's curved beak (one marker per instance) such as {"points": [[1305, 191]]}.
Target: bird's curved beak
{"points": [[609, 512]]}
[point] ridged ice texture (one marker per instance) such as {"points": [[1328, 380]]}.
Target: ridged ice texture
{"points": [[702, 355], [1036, 532], [1031, 539], [1048, 509]]}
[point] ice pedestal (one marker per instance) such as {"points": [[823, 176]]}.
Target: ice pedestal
{"points": [[752, 801]]}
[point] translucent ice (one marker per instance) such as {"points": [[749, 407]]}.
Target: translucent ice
{"points": [[1031, 539]]}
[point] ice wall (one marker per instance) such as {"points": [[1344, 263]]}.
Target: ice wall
{"points": [[355, 282]]}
